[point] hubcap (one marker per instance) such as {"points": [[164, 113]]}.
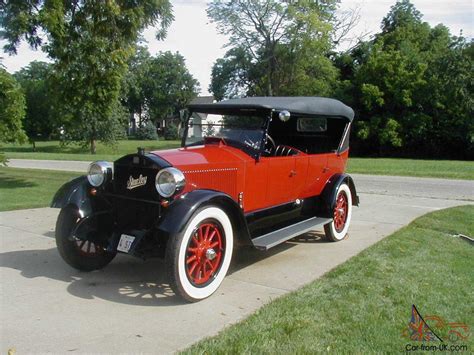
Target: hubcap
{"points": [[210, 254], [204, 253], [340, 212]]}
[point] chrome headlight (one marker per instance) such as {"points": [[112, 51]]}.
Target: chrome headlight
{"points": [[99, 172], [169, 181]]}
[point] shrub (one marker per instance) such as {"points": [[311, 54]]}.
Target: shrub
{"points": [[171, 132], [147, 132]]}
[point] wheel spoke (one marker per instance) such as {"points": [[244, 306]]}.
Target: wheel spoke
{"points": [[206, 234], [213, 234], [193, 267], [191, 259]]}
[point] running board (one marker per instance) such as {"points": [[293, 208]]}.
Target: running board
{"points": [[272, 239]]}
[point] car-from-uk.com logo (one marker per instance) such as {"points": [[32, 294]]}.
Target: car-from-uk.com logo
{"points": [[424, 337]]}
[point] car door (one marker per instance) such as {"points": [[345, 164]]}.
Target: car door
{"points": [[285, 178]]}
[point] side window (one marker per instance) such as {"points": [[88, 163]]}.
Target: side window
{"points": [[312, 124]]}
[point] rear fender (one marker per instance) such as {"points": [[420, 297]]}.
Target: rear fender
{"points": [[180, 212], [329, 194]]}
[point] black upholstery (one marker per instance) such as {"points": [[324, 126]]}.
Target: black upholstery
{"points": [[285, 151]]}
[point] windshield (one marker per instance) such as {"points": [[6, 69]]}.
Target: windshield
{"points": [[243, 132]]}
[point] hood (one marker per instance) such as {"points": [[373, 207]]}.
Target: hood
{"points": [[205, 157]]}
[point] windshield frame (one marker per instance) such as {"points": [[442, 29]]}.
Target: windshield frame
{"points": [[267, 116]]}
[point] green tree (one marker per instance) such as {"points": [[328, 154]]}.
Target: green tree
{"points": [[133, 96], [41, 120], [277, 47], [168, 86], [12, 109], [412, 89], [90, 43]]}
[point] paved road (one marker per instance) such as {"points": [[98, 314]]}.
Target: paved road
{"points": [[65, 165], [128, 307]]}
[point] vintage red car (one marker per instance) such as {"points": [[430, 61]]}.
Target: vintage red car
{"points": [[253, 171]]}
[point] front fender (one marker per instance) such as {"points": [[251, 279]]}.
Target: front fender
{"points": [[180, 212], [76, 193], [329, 194]]}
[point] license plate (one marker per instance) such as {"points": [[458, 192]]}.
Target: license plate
{"points": [[125, 243]]}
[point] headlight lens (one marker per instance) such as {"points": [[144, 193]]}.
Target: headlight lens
{"points": [[99, 172], [169, 181]]}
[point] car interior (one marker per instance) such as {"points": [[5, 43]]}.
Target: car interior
{"points": [[310, 135]]}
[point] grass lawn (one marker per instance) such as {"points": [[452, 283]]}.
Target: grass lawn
{"points": [[363, 305], [25, 188], [447, 169], [52, 150]]}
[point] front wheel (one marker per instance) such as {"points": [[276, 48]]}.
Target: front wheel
{"points": [[337, 229], [83, 255], [198, 259]]}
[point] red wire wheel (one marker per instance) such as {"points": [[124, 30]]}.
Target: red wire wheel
{"points": [[204, 253], [340, 211]]}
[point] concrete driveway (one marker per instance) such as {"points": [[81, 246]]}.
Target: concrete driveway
{"points": [[128, 307]]}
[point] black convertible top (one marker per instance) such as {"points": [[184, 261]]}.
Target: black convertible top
{"points": [[321, 106]]}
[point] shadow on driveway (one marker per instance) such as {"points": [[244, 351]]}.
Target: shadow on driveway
{"points": [[126, 280]]}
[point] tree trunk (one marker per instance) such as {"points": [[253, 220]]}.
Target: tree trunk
{"points": [[93, 146], [34, 145]]}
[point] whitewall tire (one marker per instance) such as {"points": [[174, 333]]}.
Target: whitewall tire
{"points": [[342, 213], [198, 259]]}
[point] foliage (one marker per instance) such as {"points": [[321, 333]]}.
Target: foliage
{"points": [[132, 94], [147, 132], [90, 43], [156, 88], [12, 109], [171, 132], [412, 87], [3, 159], [168, 85], [277, 48], [41, 120]]}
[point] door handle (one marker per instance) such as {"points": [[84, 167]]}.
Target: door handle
{"points": [[292, 173], [325, 170]]}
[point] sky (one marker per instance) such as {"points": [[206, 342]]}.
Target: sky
{"points": [[192, 34]]}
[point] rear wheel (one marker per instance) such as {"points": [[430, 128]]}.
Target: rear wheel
{"points": [[337, 229], [84, 255], [198, 259]]}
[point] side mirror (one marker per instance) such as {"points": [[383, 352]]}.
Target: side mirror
{"points": [[284, 116]]}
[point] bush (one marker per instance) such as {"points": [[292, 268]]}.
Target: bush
{"points": [[3, 160], [171, 132], [147, 132]]}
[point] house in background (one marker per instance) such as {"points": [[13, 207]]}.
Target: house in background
{"points": [[162, 124], [196, 117]]}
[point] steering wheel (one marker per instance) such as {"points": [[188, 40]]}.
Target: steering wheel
{"points": [[269, 147]]}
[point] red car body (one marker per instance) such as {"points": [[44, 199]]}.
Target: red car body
{"points": [[265, 183]]}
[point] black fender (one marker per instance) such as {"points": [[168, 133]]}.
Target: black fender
{"points": [[181, 210], [329, 194], [75, 193]]}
